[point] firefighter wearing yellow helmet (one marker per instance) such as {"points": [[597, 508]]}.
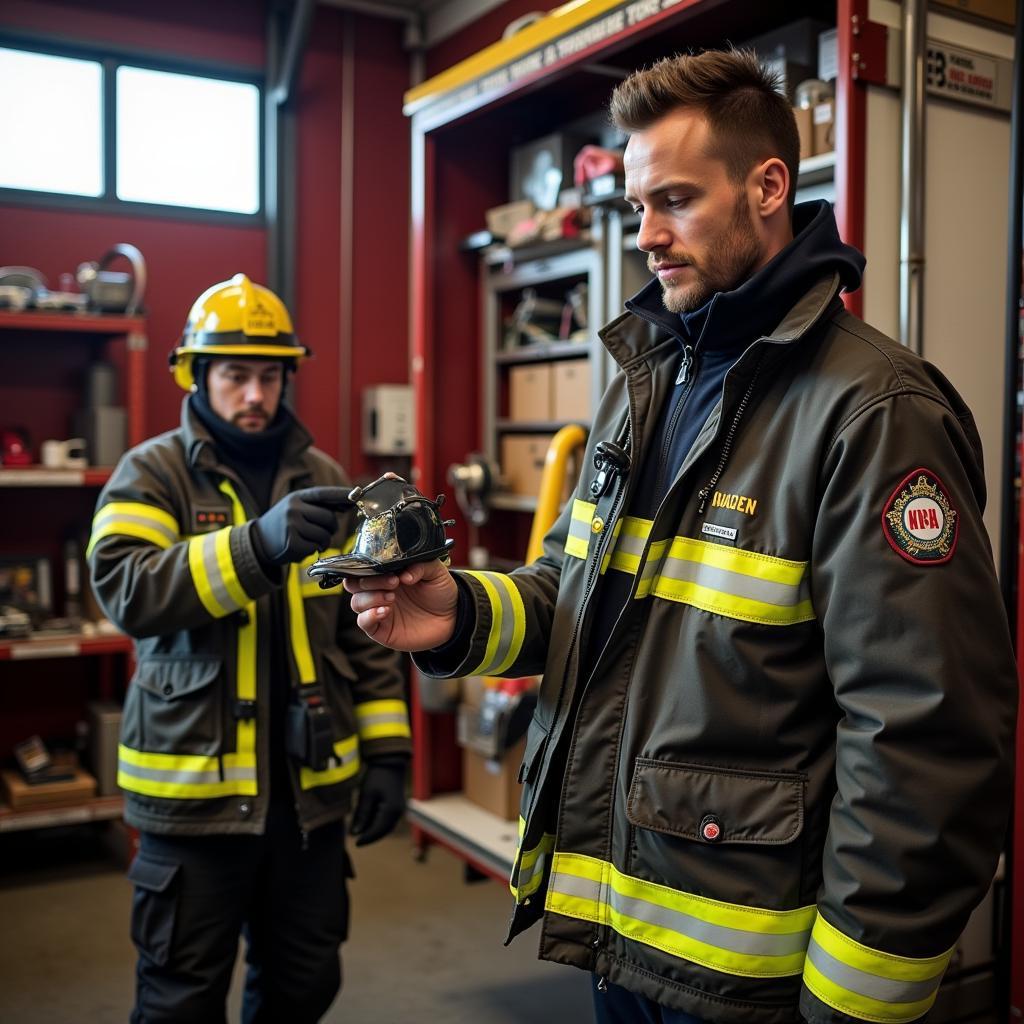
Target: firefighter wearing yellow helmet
{"points": [[236, 318], [259, 712]]}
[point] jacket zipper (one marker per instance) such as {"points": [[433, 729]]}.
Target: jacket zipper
{"points": [[705, 492], [684, 377]]}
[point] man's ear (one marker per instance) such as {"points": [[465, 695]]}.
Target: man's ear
{"points": [[774, 183]]}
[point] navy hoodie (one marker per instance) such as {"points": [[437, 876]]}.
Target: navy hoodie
{"points": [[711, 339]]}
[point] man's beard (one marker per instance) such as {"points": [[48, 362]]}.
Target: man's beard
{"points": [[730, 259]]}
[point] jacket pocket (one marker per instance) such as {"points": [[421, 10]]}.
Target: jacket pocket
{"points": [[726, 833], [154, 907], [180, 705]]}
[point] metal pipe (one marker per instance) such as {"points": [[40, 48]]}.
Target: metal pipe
{"points": [[294, 47], [376, 10], [915, 13], [552, 486]]}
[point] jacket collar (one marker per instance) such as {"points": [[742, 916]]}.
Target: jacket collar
{"points": [[201, 449]]}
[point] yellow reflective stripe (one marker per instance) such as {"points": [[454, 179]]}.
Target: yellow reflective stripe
{"points": [[245, 682], [577, 541], [297, 628], [630, 537], [382, 719], [222, 549], [185, 776], [740, 584], [727, 937], [201, 578], [346, 753], [867, 983], [529, 874], [508, 622], [310, 588], [134, 519]]}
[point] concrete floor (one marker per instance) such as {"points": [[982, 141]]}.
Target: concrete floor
{"points": [[425, 947]]}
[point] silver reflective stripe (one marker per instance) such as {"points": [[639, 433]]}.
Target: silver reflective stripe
{"points": [[720, 936], [506, 616], [213, 574], [627, 544], [187, 778], [152, 524], [885, 990], [579, 530], [533, 872], [737, 584], [384, 718]]}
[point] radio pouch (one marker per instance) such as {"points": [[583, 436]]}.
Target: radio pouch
{"points": [[309, 732]]}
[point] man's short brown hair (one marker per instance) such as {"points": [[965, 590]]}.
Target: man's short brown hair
{"points": [[750, 119]]}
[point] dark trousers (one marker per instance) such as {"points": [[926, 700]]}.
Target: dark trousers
{"points": [[616, 1005], [194, 896]]}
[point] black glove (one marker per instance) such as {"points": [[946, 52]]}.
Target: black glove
{"points": [[381, 801], [300, 524]]}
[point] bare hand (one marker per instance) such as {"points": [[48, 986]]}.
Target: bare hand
{"points": [[410, 611]]}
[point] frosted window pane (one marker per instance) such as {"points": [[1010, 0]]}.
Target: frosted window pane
{"points": [[52, 135], [187, 141]]}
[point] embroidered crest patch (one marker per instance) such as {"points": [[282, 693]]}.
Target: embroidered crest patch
{"points": [[919, 521]]}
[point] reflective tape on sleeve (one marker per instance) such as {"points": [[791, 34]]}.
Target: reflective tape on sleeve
{"points": [[214, 575], [867, 983], [727, 937], [346, 766], [134, 519], [382, 719], [508, 622]]}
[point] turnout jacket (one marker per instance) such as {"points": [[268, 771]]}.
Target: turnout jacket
{"points": [[173, 565], [783, 785]]}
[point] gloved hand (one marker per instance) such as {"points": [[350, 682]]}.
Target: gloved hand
{"points": [[300, 524], [381, 802]]}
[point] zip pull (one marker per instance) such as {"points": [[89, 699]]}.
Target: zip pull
{"points": [[602, 984], [702, 494], [686, 365]]}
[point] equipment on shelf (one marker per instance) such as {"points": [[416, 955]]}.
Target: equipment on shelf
{"points": [[35, 763], [114, 291], [398, 527], [20, 286], [474, 480], [69, 454], [15, 449]]}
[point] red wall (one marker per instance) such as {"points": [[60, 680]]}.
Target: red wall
{"points": [[185, 256]]}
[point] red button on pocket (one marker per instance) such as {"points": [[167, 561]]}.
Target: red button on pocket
{"points": [[710, 829]]}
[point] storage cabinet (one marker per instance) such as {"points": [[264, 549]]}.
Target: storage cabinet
{"points": [[48, 678]]}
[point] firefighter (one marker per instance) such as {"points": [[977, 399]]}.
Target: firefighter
{"points": [[768, 776], [258, 708]]}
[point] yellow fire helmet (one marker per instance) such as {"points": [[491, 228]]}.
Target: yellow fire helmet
{"points": [[235, 318]]}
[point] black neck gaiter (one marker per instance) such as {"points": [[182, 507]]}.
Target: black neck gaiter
{"points": [[254, 456]]}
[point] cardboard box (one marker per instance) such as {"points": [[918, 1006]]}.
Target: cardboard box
{"points": [[522, 462], [502, 219], [805, 126], [571, 391], [529, 393], [494, 785], [824, 115], [22, 796], [994, 10]]}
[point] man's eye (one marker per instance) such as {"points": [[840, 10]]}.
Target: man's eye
{"points": [[638, 210]]}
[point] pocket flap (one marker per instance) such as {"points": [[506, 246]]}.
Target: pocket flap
{"points": [[741, 806], [170, 677], [151, 875], [535, 737]]}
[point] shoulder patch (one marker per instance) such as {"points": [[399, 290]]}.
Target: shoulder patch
{"points": [[919, 521]]}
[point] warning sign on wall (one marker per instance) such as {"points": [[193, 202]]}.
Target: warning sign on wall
{"points": [[965, 75]]}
